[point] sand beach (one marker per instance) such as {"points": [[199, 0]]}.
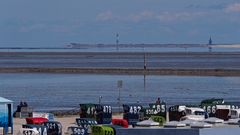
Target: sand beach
{"points": [[66, 121]]}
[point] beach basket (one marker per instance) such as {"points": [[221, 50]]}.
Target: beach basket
{"points": [[85, 122], [40, 128], [103, 114], [53, 128], [120, 122], [76, 131], [36, 120], [132, 113], [87, 111], [159, 119], [28, 131], [102, 130]]}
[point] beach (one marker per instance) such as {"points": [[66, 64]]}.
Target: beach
{"points": [[66, 121]]}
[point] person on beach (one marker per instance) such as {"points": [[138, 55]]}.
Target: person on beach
{"points": [[25, 104], [19, 106], [158, 101], [21, 103]]}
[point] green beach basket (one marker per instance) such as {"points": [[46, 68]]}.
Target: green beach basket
{"points": [[159, 119], [102, 130]]}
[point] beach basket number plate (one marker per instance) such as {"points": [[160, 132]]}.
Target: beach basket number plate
{"points": [[210, 109], [135, 109], [78, 131], [28, 132], [107, 109], [156, 109], [53, 128], [91, 110]]}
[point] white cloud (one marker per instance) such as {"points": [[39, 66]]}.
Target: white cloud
{"points": [[233, 7], [142, 16], [32, 27], [150, 16], [105, 16], [181, 16]]}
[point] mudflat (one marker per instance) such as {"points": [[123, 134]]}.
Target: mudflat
{"points": [[162, 63]]}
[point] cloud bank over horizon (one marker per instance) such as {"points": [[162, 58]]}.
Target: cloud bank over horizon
{"points": [[58, 22]]}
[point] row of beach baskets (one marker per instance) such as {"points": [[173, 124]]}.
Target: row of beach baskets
{"points": [[96, 119]]}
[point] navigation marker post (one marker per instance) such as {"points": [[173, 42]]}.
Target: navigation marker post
{"points": [[99, 100], [144, 62], [117, 41], [145, 68]]}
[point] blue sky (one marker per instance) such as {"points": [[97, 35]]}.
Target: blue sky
{"points": [[55, 23]]}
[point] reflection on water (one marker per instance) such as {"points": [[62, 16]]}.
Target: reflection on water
{"points": [[45, 91]]}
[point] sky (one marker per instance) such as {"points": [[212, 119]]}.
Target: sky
{"points": [[56, 23]]}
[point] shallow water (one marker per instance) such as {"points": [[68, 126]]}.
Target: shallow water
{"points": [[63, 91], [122, 60]]}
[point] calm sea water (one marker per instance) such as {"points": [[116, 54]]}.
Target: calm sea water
{"points": [[64, 91]]}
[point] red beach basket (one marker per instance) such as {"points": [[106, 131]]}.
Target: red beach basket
{"points": [[36, 120], [120, 122]]}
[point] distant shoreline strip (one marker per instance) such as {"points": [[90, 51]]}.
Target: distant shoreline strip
{"points": [[119, 53], [127, 71]]}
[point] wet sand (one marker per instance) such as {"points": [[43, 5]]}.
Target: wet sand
{"points": [[128, 71], [165, 63]]}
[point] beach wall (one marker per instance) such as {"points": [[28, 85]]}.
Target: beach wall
{"points": [[165, 131]]}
